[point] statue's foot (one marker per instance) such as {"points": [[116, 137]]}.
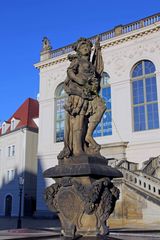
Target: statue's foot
{"points": [[64, 153], [78, 153], [92, 143]]}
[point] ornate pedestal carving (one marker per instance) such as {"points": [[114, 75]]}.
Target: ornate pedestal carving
{"points": [[83, 195]]}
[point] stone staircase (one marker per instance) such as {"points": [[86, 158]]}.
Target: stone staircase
{"points": [[144, 181], [152, 167]]}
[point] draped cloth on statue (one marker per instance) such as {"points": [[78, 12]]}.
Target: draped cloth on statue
{"points": [[84, 106]]}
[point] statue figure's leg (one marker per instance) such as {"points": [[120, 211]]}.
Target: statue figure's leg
{"points": [[94, 120], [89, 139], [77, 135], [70, 134]]}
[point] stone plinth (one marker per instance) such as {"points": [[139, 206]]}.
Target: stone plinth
{"points": [[83, 195]]}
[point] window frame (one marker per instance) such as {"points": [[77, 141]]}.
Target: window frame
{"points": [[10, 175], [12, 124], [11, 150], [57, 97], [103, 86], [143, 77], [3, 128], [60, 88]]}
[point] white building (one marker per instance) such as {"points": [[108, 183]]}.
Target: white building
{"points": [[130, 128], [18, 158]]}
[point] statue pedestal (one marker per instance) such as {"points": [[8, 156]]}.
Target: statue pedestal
{"points": [[83, 195]]}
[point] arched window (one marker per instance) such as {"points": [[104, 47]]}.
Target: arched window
{"points": [[8, 205], [144, 93], [60, 97], [104, 128]]}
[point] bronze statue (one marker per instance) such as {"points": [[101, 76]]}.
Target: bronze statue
{"points": [[84, 106]]}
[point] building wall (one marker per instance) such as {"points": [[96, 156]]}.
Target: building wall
{"points": [[31, 163], [134, 210], [17, 138], [30, 173], [23, 163], [119, 59]]}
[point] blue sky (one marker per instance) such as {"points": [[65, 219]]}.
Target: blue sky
{"points": [[23, 24]]}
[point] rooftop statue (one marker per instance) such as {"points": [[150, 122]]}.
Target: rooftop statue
{"points": [[84, 106], [46, 44]]}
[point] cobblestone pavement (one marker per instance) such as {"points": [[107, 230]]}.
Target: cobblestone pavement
{"points": [[48, 229], [140, 236], [32, 228], [11, 223]]}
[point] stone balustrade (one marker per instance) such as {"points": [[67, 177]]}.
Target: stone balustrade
{"points": [[146, 183], [119, 30]]}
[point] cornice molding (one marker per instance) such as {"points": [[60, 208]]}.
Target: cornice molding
{"points": [[52, 61]]}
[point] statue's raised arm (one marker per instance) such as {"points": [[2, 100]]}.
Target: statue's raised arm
{"points": [[97, 59]]}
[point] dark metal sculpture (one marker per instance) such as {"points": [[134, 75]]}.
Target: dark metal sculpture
{"points": [[83, 195]]}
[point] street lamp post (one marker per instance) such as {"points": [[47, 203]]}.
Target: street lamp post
{"points": [[21, 183]]}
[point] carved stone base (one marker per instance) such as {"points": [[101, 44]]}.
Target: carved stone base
{"points": [[82, 198], [84, 165]]}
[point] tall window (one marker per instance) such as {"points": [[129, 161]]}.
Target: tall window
{"points": [[9, 151], [104, 128], [13, 124], [10, 174], [3, 128], [60, 112], [144, 92], [13, 150]]}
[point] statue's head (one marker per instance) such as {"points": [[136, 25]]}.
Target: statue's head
{"points": [[83, 47]]}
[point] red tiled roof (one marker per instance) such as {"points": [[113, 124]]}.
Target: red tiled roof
{"points": [[25, 114]]}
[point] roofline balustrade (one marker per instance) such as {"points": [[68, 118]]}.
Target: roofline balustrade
{"points": [[119, 30]]}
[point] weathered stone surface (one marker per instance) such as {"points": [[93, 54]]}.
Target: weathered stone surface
{"points": [[134, 208], [83, 204], [83, 195], [84, 106], [83, 166]]}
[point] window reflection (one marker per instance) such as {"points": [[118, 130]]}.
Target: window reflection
{"points": [[60, 112], [144, 92], [104, 128]]}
